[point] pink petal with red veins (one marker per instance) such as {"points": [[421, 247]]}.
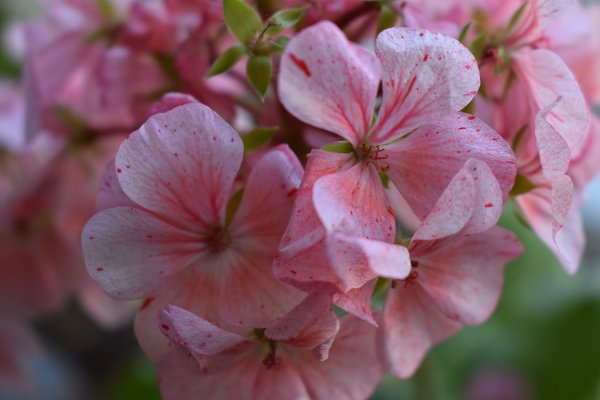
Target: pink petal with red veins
{"points": [[129, 252], [411, 325], [311, 324], [357, 261], [302, 259], [464, 277], [354, 201], [251, 295], [195, 333], [328, 82], [423, 164], [471, 203], [181, 165], [549, 78], [110, 194], [352, 370], [425, 76]]}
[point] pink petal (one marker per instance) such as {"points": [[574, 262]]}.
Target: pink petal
{"points": [[251, 295], [423, 164], [472, 203], [181, 165], [327, 82], [129, 252], [464, 277], [302, 259], [172, 100], [354, 201], [357, 301], [567, 241], [192, 289], [195, 333], [425, 76], [554, 150], [352, 370], [549, 78], [110, 194], [411, 325], [357, 260], [311, 324]]}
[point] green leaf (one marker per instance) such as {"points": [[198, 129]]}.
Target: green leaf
{"points": [[519, 137], [464, 32], [241, 19], [387, 18], [281, 42], [258, 137], [339, 147], [284, 19], [107, 9], [233, 205], [258, 70], [503, 61], [227, 60], [385, 180], [514, 19], [478, 45], [522, 186]]}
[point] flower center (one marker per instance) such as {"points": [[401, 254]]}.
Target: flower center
{"points": [[218, 240], [373, 155]]}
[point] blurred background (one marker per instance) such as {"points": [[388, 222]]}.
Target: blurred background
{"points": [[543, 342]]}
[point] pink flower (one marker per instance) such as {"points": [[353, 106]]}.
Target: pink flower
{"points": [[538, 106], [295, 357], [171, 235], [454, 282], [342, 227]]}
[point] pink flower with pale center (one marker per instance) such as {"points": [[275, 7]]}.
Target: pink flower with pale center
{"points": [[294, 357], [342, 228], [166, 232]]}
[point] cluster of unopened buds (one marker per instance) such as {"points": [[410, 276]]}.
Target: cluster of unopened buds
{"points": [[304, 201]]}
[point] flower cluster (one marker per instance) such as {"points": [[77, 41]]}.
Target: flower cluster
{"points": [[308, 194]]}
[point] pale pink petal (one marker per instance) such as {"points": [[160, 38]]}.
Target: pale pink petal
{"points": [[553, 149], [411, 324], [311, 324], [568, 242], [181, 165], [192, 289], [195, 333], [302, 258], [464, 277], [352, 370], [129, 252], [328, 82], [423, 164], [358, 301], [548, 78], [110, 194], [425, 76], [471, 203], [171, 100], [357, 260], [563, 194]]}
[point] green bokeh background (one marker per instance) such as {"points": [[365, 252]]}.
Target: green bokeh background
{"points": [[544, 338]]}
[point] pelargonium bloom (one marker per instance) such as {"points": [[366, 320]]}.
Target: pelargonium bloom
{"points": [[453, 282], [419, 140], [295, 357], [169, 235]]}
